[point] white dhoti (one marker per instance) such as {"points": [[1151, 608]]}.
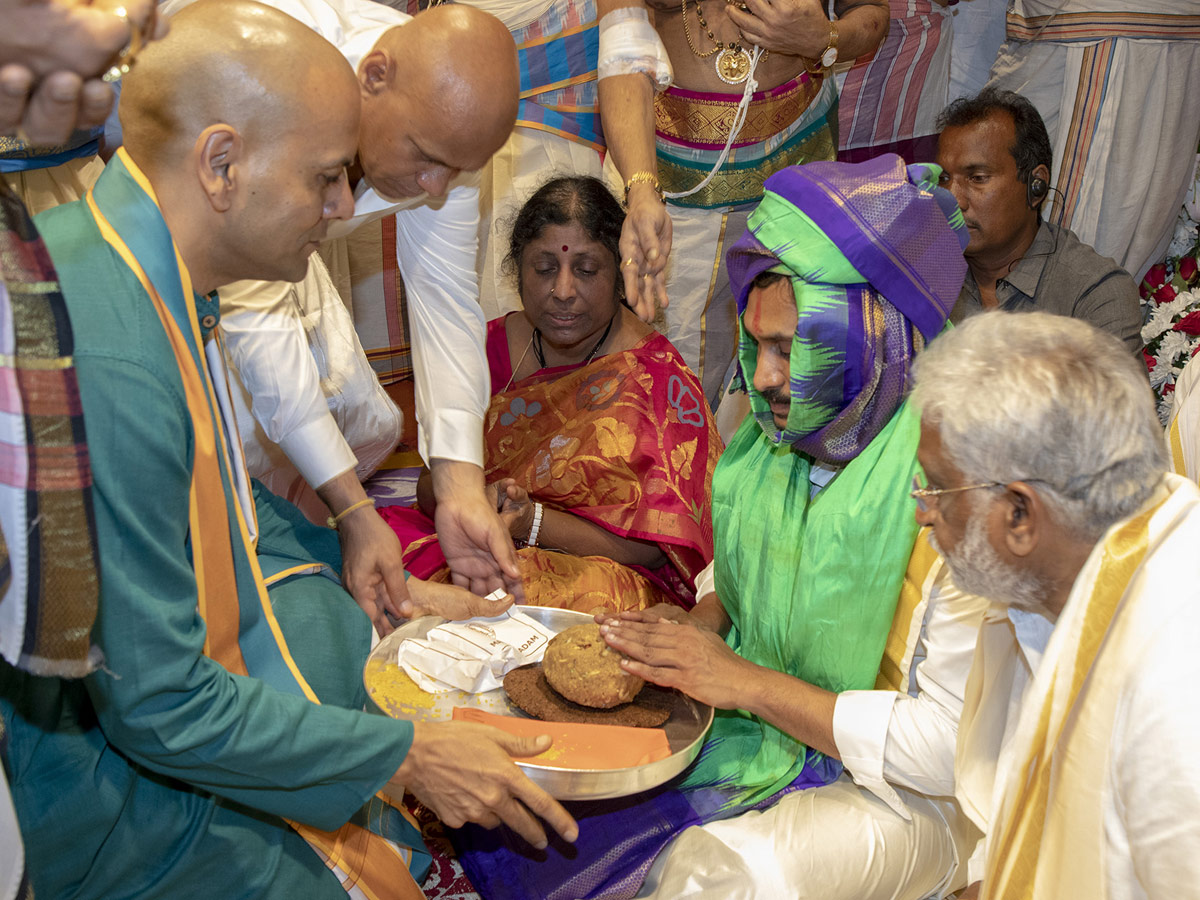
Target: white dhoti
{"points": [[837, 842], [701, 319]]}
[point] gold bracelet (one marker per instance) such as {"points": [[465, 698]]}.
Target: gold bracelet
{"points": [[649, 178], [332, 521]]}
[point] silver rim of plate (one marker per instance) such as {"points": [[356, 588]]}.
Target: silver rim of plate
{"points": [[685, 729]]}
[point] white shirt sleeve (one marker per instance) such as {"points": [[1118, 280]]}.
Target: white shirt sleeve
{"points": [[436, 245], [977, 863], [706, 581], [909, 739], [353, 26], [267, 346]]}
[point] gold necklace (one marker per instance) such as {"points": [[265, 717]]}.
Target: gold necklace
{"points": [[515, 368], [733, 60]]}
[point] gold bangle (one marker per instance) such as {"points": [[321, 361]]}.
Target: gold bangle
{"points": [[649, 178], [332, 521]]}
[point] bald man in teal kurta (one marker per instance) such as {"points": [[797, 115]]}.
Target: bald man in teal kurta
{"points": [[165, 774]]}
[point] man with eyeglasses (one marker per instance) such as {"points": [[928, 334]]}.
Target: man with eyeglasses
{"points": [[844, 272], [1049, 493]]}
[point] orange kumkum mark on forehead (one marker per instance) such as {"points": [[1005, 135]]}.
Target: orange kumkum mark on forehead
{"points": [[754, 312]]}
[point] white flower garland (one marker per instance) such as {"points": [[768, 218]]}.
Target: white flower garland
{"points": [[1171, 297], [1169, 349]]}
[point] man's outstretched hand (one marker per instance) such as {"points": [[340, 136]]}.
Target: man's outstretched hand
{"points": [[695, 660], [432, 598], [464, 772], [476, 543]]}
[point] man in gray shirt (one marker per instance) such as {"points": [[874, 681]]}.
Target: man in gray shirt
{"points": [[995, 157]]}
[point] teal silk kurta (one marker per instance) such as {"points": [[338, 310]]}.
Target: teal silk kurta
{"points": [[163, 775]]}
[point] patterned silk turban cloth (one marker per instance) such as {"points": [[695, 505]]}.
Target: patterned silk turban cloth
{"points": [[874, 251]]}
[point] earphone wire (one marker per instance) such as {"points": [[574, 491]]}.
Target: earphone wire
{"points": [[1060, 208]]}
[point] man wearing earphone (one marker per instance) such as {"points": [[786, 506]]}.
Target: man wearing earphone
{"points": [[995, 157]]}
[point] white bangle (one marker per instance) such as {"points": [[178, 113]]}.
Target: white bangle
{"points": [[531, 541]]}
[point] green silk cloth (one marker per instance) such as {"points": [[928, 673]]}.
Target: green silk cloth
{"points": [[810, 582]]}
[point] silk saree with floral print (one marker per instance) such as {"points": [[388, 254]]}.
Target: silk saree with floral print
{"points": [[625, 442]]}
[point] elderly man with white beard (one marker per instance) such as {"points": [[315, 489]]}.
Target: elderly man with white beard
{"points": [[1048, 492]]}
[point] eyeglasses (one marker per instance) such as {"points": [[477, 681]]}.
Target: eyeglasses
{"points": [[922, 494]]}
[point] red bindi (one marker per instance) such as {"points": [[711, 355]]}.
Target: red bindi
{"points": [[565, 248]]}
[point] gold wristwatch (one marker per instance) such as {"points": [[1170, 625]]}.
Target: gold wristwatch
{"points": [[830, 54]]}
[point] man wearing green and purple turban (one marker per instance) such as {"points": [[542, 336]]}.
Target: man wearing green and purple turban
{"points": [[843, 275]]}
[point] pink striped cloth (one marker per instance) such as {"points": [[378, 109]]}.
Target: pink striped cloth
{"points": [[890, 101]]}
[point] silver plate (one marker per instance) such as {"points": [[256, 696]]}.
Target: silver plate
{"points": [[686, 728]]}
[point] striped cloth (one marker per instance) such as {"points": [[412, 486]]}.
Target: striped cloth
{"points": [[558, 126], [49, 567], [393, 362], [558, 56], [558, 51], [890, 101], [1031, 24], [786, 125]]}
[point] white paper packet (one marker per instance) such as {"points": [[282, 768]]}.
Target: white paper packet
{"points": [[473, 655]]}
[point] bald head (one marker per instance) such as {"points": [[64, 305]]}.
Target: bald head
{"points": [[231, 61], [439, 97], [244, 121], [465, 60]]}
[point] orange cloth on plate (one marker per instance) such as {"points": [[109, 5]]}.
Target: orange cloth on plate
{"points": [[580, 746]]}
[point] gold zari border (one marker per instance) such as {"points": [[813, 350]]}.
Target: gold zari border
{"points": [[732, 187], [709, 121]]}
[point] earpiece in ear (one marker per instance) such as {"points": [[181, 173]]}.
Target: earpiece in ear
{"points": [[1036, 191]]}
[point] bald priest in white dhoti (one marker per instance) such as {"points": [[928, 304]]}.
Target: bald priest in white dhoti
{"points": [[1049, 493]]}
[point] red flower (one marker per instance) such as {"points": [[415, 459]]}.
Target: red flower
{"points": [[1157, 276], [1150, 361], [1168, 388], [1165, 294], [1188, 269], [1189, 324]]}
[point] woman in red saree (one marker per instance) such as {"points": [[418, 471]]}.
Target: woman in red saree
{"points": [[599, 446]]}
